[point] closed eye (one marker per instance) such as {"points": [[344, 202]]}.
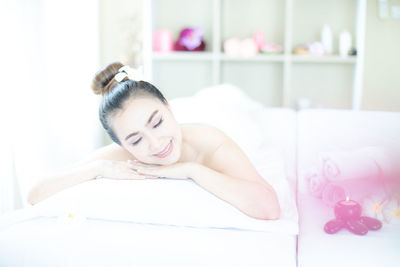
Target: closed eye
{"points": [[158, 124], [155, 126], [135, 143]]}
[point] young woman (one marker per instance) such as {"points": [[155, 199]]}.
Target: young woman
{"points": [[149, 143]]}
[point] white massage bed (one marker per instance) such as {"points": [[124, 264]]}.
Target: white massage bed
{"points": [[114, 228], [40, 242]]}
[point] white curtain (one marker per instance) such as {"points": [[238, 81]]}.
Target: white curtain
{"points": [[49, 115]]}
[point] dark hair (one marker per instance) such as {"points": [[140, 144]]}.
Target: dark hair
{"points": [[115, 94]]}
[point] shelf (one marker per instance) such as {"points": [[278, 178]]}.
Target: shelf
{"points": [[323, 59], [286, 76], [183, 56], [217, 56], [260, 57], [205, 56]]}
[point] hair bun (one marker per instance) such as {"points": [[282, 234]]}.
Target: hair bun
{"points": [[104, 81]]}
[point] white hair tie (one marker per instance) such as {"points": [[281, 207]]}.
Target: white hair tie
{"points": [[132, 74]]}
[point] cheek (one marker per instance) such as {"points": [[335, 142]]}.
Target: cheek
{"points": [[169, 129], [136, 151]]}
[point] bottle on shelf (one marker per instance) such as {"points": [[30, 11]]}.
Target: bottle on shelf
{"points": [[344, 43], [327, 39]]}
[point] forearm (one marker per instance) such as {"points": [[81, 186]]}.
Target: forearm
{"points": [[254, 199], [57, 181]]}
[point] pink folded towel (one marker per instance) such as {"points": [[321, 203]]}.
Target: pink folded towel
{"points": [[356, 189], [368, 162], [315, 182], [356, 174]]}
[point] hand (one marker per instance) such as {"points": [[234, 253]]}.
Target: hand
{"points": [[180, 170], [115, 169]]}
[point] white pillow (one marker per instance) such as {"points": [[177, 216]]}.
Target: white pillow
{"points": [[159, 201], [167, 202]]}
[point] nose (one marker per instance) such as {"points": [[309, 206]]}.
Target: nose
{"points": [[154, 143]]}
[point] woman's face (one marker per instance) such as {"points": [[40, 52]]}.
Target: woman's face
{"points": [[148, 130]]}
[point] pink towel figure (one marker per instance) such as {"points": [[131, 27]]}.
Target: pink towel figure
{"points": [[315, 183], [357, 174], [369, 162], [356, 189], [333, 193]]}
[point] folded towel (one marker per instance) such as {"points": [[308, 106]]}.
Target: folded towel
{"points": [[368, 162], [356, 189], [315, 182], [369, 176]]}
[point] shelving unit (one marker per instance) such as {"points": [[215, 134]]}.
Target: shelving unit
{"points": [[275, 80]]}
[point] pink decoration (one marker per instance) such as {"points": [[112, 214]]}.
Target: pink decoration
{"points": [[190, 39], [333, 193], [248, 48], [259, 39], [355, 173], [348, 215], [163, 41], [316, 48], [357, 189], [272, 48], [240, 48], [344, 165], [347, 209], [316, 183], [232, 47]]}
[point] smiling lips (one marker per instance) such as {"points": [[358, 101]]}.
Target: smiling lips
{"points": [[166, 151]]}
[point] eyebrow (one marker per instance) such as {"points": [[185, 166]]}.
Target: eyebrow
{"points": [[148, 121]]}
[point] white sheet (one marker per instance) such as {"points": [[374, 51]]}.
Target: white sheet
{"points": [[154, 201], [44, 242]]}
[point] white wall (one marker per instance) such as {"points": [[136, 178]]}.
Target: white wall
{"points": [[382, 61]]}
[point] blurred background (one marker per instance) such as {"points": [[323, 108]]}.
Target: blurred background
{"points": [[336, 54]]}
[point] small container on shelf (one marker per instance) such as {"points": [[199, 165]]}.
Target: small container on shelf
{"points": [[344, 44], [163, 41]]}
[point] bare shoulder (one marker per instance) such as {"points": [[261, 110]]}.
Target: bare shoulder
{"points": [[203, 134], [205, 139]]}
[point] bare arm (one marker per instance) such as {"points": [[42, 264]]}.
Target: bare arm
{"points": [[109, 161], [230, 175], [257, 200], [52, 183]]}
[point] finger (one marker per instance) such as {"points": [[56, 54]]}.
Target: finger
{"points": [[144, 175], [136, 175], [146, 171]]}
